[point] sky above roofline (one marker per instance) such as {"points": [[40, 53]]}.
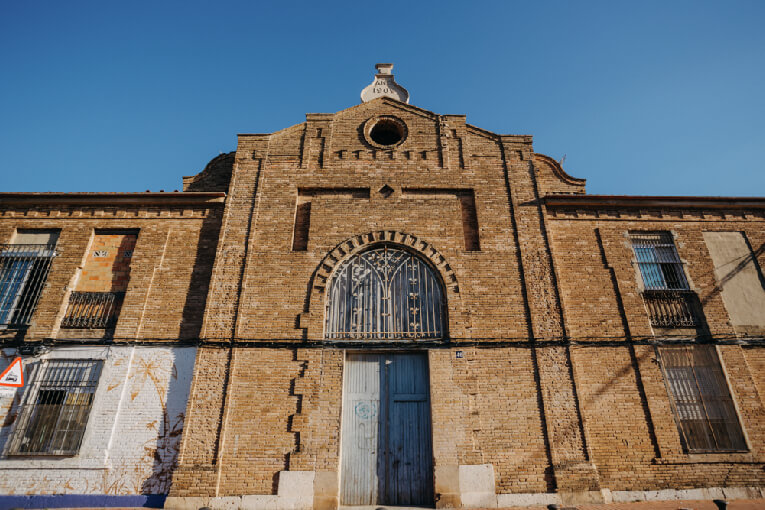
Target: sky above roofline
{"points": [[646, 98]]}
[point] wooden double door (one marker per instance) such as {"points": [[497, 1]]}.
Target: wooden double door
{"points": [[387, 454]]}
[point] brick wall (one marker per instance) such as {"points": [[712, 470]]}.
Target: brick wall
{"points": [[631, 429], [169, 270], [107, 264], [549, 414], [558, 387], [159, 250]]}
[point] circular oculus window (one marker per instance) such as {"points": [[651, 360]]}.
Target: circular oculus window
{"points": [[385, 132]]}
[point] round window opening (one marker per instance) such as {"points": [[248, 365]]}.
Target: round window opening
{"points": [[387, 132]]}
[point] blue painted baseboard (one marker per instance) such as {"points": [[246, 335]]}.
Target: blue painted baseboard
{"points": [[81, 501]]}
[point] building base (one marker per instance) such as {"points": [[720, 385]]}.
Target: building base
{"points": [[81, 501], [295, 492], [464, 486]]}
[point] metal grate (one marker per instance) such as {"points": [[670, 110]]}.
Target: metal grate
{"points": [[385, 294], [92, 309], [23, 271], [672, 308], [658, 261], [54, 414], [704, 410]]}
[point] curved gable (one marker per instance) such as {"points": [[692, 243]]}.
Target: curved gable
{"points": [[552, 179]]}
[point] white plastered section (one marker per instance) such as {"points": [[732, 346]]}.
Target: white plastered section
{"points": [[134, 428]]}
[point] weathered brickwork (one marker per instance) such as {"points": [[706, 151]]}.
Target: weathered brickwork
{"points": [[547, 385], [626, 407], [755, 360], [557, 385], [156, 248], [169, 269], [107, 264]]}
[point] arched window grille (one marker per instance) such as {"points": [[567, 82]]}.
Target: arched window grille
{"points": [[385, 293]]}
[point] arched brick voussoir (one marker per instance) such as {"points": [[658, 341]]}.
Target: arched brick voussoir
{"points": [[361, 242]]}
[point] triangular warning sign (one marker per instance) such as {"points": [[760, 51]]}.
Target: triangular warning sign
{"points": [[13, 376]]}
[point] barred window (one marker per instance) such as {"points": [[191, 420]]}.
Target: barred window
{"points": [[385, 293], [658, 261], [97, 298], [704, 411], [669, 301], [24, 267], [54, 414]]}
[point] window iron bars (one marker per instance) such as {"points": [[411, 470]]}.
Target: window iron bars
{"points": [[92, 310], [24, 269], [701, 402], [666, 294], [54, 414], [672, 308], [384, 294], [659, 263]]}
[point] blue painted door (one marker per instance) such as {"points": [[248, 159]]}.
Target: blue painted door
{"points": [[387, 453]]}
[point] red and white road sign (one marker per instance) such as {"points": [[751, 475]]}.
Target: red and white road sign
{"points": [[13, 376]]}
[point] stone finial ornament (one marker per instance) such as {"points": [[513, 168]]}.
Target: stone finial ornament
{"points": [[384, 86]]}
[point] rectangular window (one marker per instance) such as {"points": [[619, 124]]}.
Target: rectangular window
{"points": [[54, 414], [658, 261], [24, 267], [704, 411]]}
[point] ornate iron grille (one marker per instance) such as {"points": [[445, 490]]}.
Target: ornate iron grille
{"points": [[672, 308], [23, 271], [385, 294], [701, 402], [92, 310], [54, 414]]}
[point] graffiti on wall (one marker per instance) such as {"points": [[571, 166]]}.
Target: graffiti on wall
{"points": [[132, 440]]}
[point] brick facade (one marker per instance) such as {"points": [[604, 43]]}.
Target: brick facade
{"points": [[546, 387], [558, 387], [157, 249]]}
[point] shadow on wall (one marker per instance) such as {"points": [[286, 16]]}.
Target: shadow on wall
{"points": [[751, 258], [121, 264], [163, 453], [196, 298], [121, 269]]}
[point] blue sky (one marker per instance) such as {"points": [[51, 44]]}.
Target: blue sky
{"points": [[644, 98]]}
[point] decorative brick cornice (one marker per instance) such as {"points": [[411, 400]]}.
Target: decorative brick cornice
{"points": [[358, 243]]}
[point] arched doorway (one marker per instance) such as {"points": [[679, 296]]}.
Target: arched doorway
{"points": [[386, 294]]}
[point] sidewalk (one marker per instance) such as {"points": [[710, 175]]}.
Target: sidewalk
{"points": [[736, 504]]}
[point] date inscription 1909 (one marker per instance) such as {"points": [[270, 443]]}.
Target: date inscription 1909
{"points": [[381, 87]]}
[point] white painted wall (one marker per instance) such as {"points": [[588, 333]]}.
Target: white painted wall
{"points": [[134, 429]]}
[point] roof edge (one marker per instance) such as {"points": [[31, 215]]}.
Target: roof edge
{"points": [[631, 201], [113, 199]]}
